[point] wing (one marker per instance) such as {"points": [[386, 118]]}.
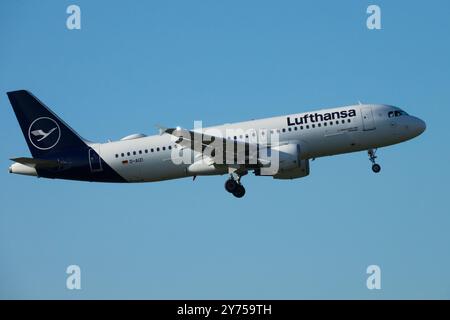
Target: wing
{"points": [[233, 153]]}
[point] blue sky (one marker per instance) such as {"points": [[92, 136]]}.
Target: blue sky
{"points": [[138, 64]]}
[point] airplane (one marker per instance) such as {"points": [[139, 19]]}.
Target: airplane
{"points": [[58, 152]]}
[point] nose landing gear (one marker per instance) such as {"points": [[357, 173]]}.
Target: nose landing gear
{"points": [[235, 187], [375, 166]]}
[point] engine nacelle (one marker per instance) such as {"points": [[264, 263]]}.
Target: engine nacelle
{"points": [[301, 171], [290, 164]]}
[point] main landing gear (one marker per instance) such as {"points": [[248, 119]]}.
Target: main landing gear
{"points": [[375, 166], [235, 187]]}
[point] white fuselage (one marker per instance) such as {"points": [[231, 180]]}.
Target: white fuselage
{"points": [[373, 126]]}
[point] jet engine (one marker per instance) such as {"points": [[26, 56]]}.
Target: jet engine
{"points": [[290, 165]]}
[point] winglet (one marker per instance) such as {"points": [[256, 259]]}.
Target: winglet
{"points": [[161, 129]]}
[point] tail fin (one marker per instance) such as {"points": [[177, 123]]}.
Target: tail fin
{"points": [[44, 131]]}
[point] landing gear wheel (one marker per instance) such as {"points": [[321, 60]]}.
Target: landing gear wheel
{"points": [[239, 192], [376, 168], [231, 185], [372, 156]]}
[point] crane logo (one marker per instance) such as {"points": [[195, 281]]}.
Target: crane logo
{"points": [[44, 133]]}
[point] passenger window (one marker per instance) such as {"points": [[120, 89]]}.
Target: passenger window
{"points": [[117, 155], [157, 149], [146, 150], [140, 151], [123, 155], [319, 125], [128, 154], [390, 114], [170, 147], [343, 121], [349, 120], [289, 129], [284, 130], [307, 126], [301, 127], [152, 150], [313, 125], [295, 128], [324, 124]]}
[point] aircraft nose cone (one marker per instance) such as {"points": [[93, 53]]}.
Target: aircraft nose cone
{"points": [[412, 127], [420, 126]]}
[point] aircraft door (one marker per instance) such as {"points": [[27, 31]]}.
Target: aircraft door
{"points": [[95, 162], [367, 118]]}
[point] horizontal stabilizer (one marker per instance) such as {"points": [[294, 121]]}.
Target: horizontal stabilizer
{"points": [[37, 163]]}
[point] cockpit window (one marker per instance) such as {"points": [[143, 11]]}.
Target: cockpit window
{"points": [[396, 113]]}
